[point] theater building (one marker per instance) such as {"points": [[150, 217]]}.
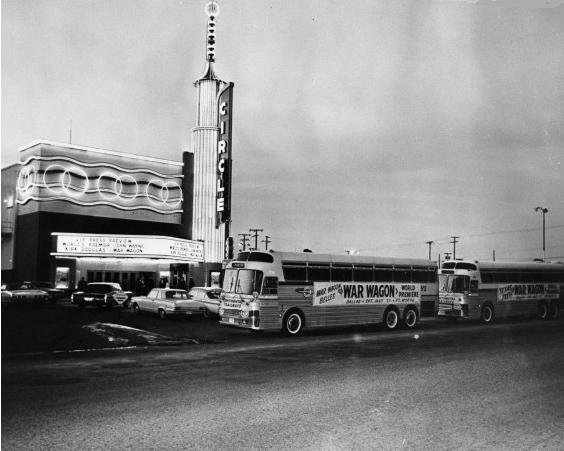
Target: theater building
{"points": [[71, 212]]}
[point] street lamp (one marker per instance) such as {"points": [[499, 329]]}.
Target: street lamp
{"points": [[544, 211]]}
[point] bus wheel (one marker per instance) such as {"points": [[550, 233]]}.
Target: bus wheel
{"points": [[391, 319], [410, 318], [554, 311], [293, 323], [487, 315], [542, 311]]}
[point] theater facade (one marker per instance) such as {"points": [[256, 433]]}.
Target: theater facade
{"points": [[78, 212], [71, 212]]}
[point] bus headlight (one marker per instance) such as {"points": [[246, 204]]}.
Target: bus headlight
{"points": [[244, 311], [221, 311]]}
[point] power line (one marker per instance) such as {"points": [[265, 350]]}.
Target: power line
{"points": [[244, 240], [255, 232]]}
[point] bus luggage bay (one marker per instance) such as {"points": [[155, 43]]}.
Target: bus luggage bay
{"points": [[291, 290], [494, 289]]}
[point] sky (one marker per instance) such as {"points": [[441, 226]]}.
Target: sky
{"points": [[367, 126]]}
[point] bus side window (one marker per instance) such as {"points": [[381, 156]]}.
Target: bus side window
{"points": [[270, 285], [473, 286]]}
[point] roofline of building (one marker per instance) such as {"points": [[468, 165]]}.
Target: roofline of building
{"points": [[100, 151]]}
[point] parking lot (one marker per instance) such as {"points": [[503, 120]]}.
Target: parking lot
{"points": [[33, 328]]}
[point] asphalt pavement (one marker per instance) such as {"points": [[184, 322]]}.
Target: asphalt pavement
{"points": [[442, 386]]}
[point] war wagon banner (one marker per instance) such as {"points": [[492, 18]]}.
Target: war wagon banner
{"points": [[525, 292], [331, 293]]}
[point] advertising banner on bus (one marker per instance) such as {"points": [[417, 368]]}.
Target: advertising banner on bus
{"points": [[341, 293], [527, 291]]}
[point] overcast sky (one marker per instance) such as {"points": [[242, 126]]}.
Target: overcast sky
{"points": [[372, 125]]}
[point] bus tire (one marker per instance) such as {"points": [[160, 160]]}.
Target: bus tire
{"points": [[554, 310], [293, 322], [542, 311], [487, 315], [391, 318], [410, 317]]}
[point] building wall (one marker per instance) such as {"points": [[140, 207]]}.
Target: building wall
{"points": [[33, 259], [9, 216], [64, 178]]}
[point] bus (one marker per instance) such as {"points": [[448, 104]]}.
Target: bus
{"points": [[486, 290], [290, 291]]}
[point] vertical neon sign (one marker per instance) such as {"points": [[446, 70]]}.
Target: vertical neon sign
{"points": [[223, 199]]}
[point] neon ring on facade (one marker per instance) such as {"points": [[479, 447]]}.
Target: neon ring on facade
{"points": [[117, 188], [66, 181], [57, 185], [165, 188], [27, 180]]}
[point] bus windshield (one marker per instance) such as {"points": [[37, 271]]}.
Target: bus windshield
{"points": [[454, 284], [242, 281]]}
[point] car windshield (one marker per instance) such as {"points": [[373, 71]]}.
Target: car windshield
{"points": [[242, 281], [176, 295], [454, 284], [99, 288], [214, 294], [42, 284]]}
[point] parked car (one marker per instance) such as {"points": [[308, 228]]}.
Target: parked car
{"points": [[22, 293], [208, 297], [166, 301], [100, 294], [54, 293]]}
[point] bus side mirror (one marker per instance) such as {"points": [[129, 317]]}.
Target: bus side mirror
{"points": [[255, 295]]}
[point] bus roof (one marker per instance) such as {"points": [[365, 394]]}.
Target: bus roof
{"points": [[312, 257], [514, 266]]}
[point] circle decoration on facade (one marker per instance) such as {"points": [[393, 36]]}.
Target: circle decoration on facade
{"points": [[74, 189], [53, 178], [163, 189], [116, 186], [27, 180]]}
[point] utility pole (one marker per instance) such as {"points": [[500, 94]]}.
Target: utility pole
{"points": [[454, 241], [266, 241], [255, 232], [429, 243], [544, 211], [244, 240], [494, 255]]}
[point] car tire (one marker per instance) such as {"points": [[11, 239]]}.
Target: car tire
{"points": [[391, 319], [542, 311], [136, 309], [162, 314], [293, 323], [206, 313], [410, 318], [487, 315]]}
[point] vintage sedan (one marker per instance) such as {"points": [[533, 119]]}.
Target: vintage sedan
{"points": [[22, 293], [208, 297], [101, 294], [55, 294], [165, 302]]}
